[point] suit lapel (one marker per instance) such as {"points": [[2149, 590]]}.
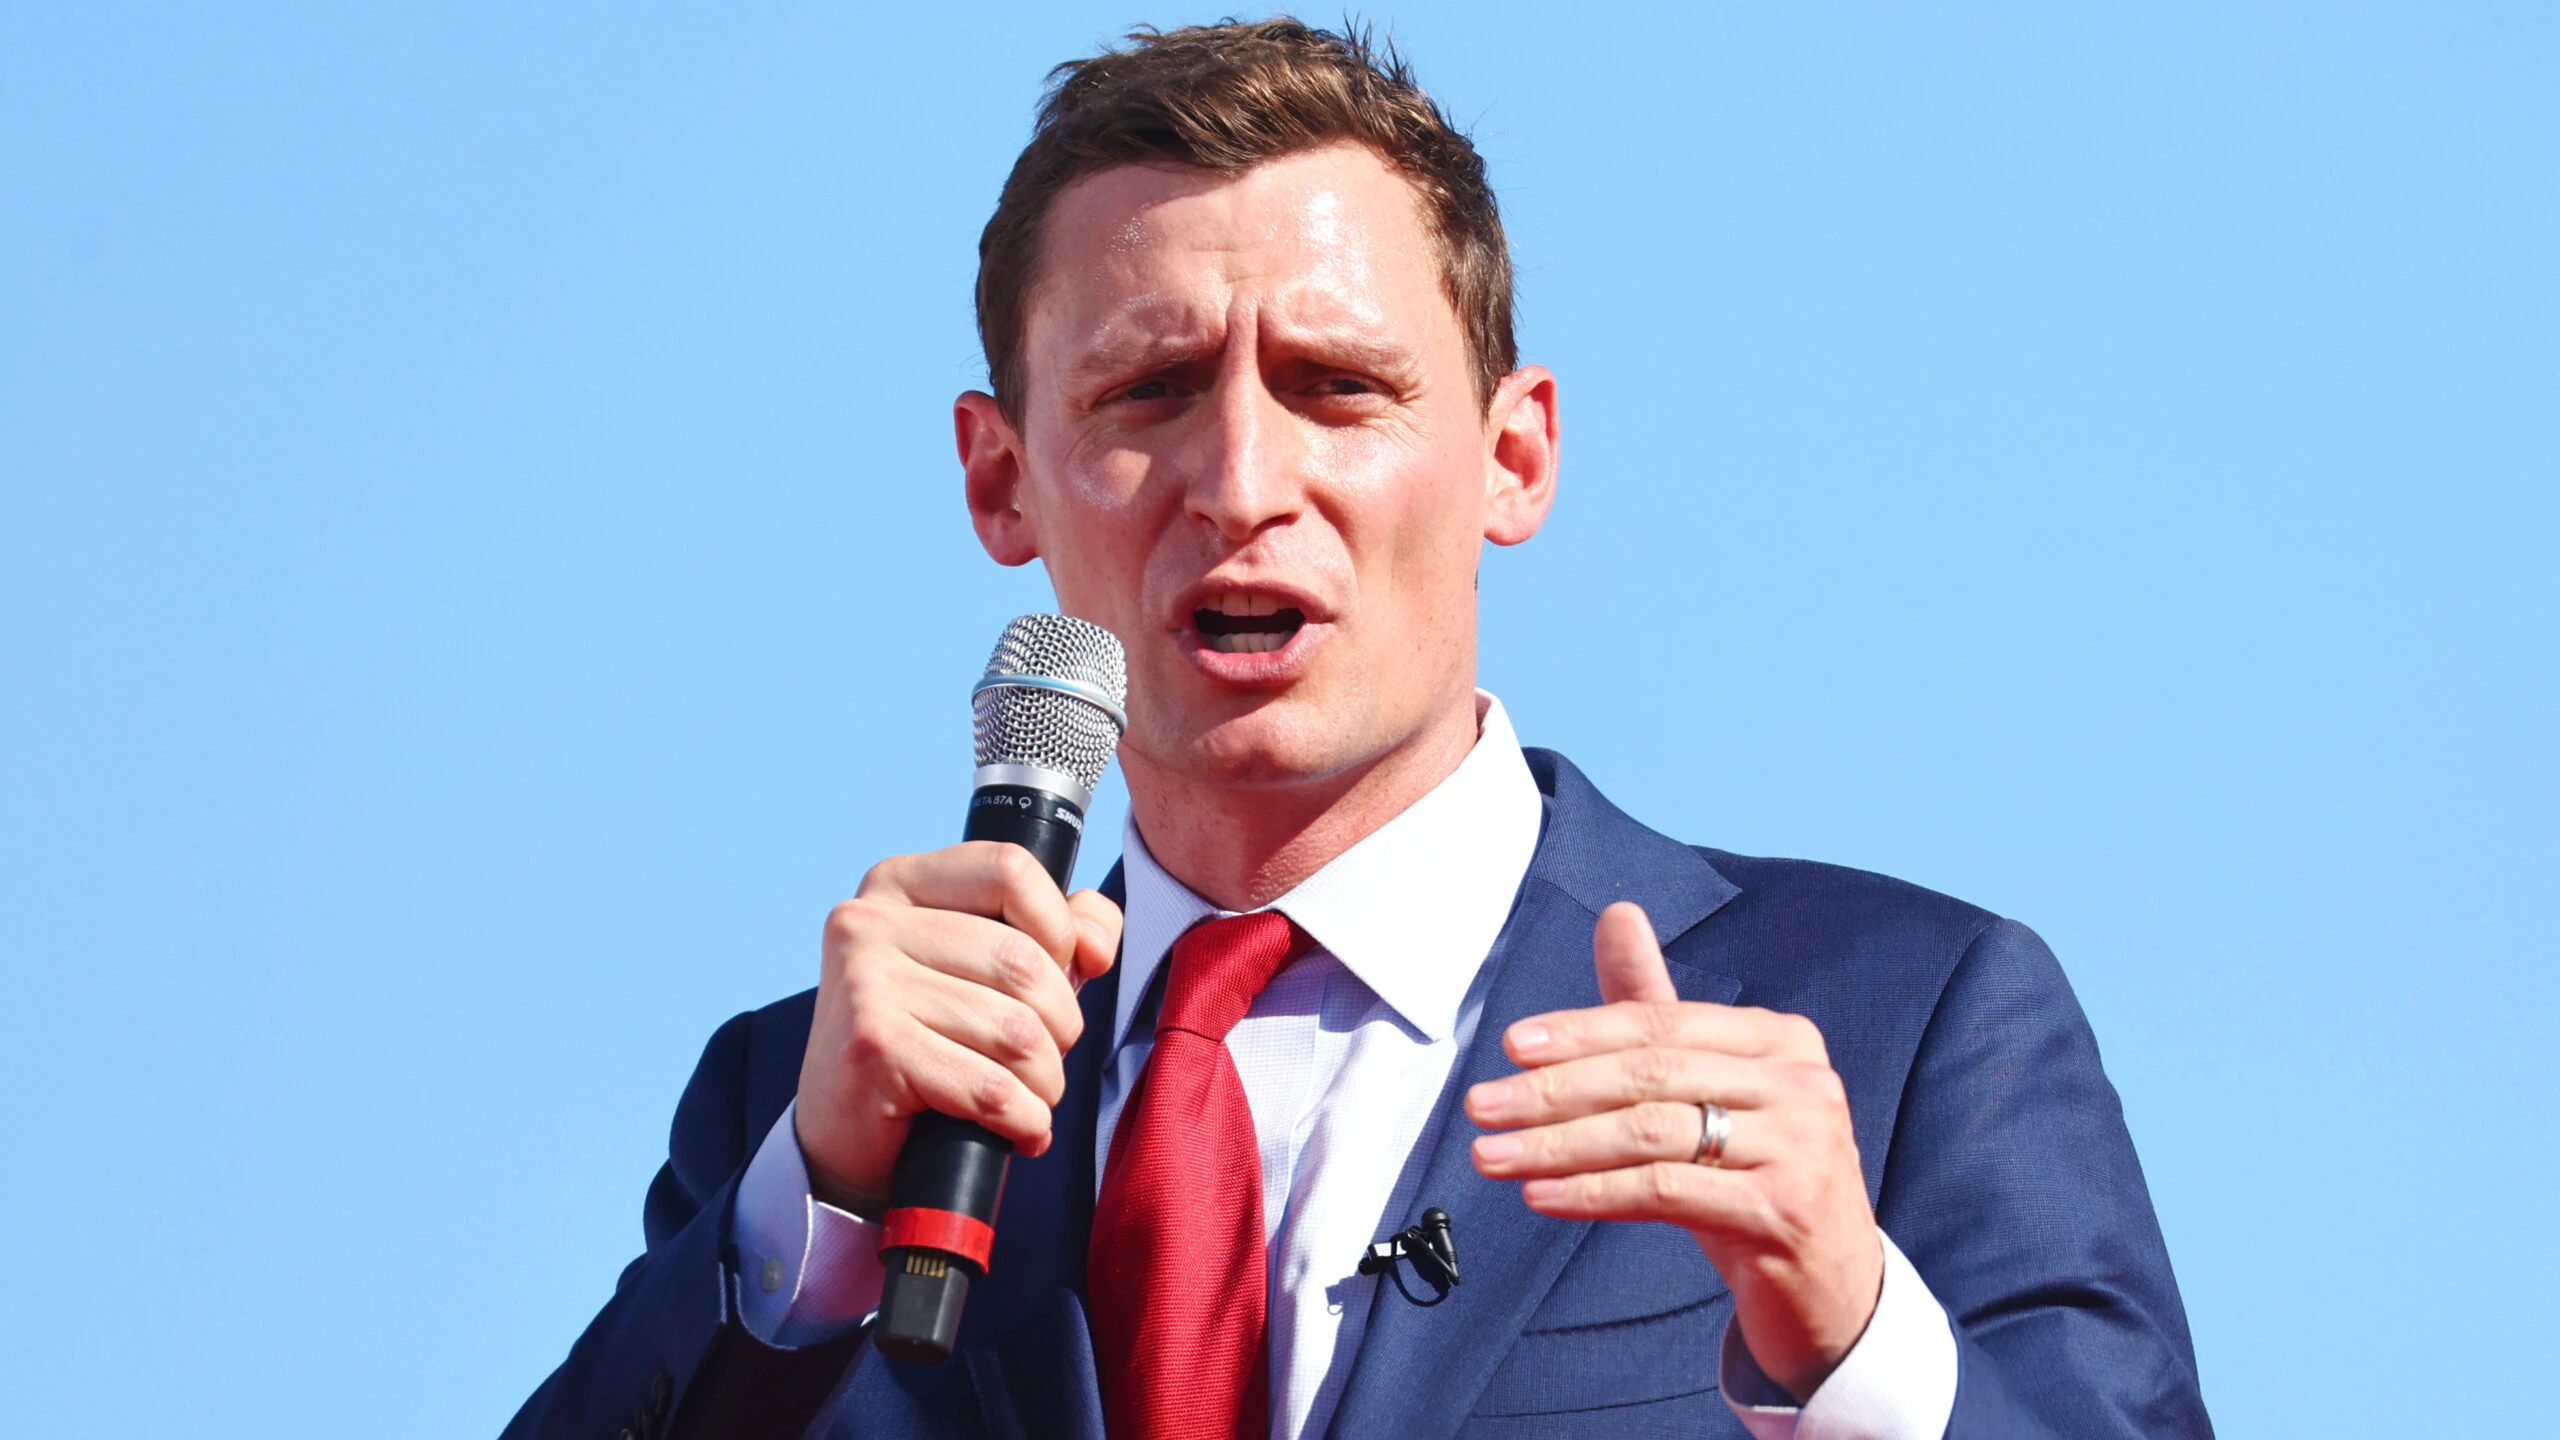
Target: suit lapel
{"points": [[1418, 1371]]}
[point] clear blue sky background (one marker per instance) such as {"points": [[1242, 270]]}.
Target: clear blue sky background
{"points": [[481, 570]]}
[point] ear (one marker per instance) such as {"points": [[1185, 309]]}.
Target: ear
{"points": [[991, 473], [1525, 442]]}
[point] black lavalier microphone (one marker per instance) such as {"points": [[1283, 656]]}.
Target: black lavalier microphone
{"points": [[1431, 1248], [1049, 714]]}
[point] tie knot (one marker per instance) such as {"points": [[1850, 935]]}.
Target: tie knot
{"points": [[1218, 967]]}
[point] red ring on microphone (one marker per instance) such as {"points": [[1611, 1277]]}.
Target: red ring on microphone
{"points": [[945, 1230]]}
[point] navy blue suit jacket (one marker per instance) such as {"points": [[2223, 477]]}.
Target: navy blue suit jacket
{"points": [[1994, 1150]]}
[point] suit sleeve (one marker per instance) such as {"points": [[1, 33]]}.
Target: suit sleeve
{"points": [[2012, 1185], [667, 1355]]}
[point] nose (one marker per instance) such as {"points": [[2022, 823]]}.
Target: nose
{"points": [[1248, 473]]}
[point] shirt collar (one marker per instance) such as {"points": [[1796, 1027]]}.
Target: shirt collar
{"points": [[1412, 909]]}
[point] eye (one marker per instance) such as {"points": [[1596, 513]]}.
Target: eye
{"points": [[1147, 390], [1345, 385]]}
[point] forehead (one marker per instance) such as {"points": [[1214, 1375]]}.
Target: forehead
{"points": [[1327, 237]]}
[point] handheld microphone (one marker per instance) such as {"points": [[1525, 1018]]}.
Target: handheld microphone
{"points": [[1049, 714]]}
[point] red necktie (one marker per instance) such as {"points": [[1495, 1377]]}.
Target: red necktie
{"points": [[1176, 1279]]}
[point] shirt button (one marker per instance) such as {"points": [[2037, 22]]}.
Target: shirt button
{"points": [[771, 1276]]}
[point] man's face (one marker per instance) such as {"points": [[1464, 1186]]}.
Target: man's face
{"points": [[1252, 447]]}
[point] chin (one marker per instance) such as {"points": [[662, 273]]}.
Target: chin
{"points": [[1274, 742]]}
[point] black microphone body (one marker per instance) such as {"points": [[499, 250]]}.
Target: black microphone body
{"points": [[949, 1179], [956, 1167], [1047, 824]]}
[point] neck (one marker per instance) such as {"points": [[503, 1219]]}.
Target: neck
{"points": [[1240, 847]]}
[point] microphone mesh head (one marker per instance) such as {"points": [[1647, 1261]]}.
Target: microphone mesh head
{"points": [[1020, 725]]}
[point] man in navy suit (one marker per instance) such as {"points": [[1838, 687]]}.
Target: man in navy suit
{"points": [[1727, 1144]]}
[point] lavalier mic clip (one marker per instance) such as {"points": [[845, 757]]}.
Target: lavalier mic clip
{"points": [[1428, 1247]]}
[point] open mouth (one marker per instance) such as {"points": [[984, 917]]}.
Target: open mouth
{"points": [[1247, 624]]}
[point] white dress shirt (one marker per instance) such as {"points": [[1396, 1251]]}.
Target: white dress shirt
{"points": [[1343, 1060]]}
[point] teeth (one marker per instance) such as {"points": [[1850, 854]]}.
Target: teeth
{"points": [[1248, 642], [1236, 623]]}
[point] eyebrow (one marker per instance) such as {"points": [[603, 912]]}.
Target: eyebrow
{"points": [[1128, 346], [1124, 348], [1352, 350]]}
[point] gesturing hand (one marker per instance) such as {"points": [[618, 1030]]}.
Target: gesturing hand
{"points": [[1605, 1124]]}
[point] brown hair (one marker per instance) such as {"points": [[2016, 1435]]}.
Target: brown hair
{"points": [[1227, 98]]}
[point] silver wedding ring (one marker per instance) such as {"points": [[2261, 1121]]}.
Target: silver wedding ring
{"points": [[1715, 1127]]}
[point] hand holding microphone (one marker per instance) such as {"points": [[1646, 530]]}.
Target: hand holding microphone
{"points": [[948, 983]]}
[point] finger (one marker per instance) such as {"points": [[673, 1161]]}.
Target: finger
{"points": [[1681, 1025], [991, 878], [994, 1025], [1616, 1139], [1098, 924], [1614, 1081], [1693, 1196], [982, 952], [941, 1074], [1628, 957]]}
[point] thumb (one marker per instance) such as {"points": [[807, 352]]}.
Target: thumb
{"points": [[1628, 958], [1097, 934]]}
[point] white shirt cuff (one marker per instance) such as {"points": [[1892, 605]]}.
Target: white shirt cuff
{"points": [[1897, 1383], [807, 1271]]}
